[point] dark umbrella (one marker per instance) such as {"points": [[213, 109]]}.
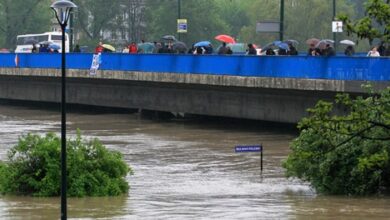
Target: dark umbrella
{"points": [[179, 47], [291, 41], [271, 45], [283, 46], [169, 37], [322, 43]]}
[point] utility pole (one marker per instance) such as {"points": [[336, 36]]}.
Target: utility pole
{"points": [[178, 15], [281, 31], [334, 18]]}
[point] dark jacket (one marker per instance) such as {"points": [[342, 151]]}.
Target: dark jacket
{"points": [[293, 51], [252, 51], [349, 51]]}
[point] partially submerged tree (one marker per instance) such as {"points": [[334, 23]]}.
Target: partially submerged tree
{"points": [[33, 168], [346, 153]]}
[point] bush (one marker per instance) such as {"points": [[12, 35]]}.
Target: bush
{"points": [[345, 153], [33, 168]]}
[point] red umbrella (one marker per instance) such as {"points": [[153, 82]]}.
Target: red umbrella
{"points": [[225, 38]]}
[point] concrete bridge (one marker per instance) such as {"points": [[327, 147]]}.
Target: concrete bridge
{"points": [[243, 95]]}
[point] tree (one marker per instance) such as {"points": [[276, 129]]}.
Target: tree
{"points": [[375, 25], [204, 21], [345, 153], [94, 17], [23, 17], [33, 168], [303, 19]]}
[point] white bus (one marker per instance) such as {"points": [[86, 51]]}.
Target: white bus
{"points": [[24, 43]]}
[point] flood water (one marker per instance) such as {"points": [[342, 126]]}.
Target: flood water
{"points": [[183, 169]]}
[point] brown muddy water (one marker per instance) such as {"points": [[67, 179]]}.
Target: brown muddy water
{"points": [[183, 170]]}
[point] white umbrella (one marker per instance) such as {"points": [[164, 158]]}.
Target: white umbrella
{"points": [[347, 42]]}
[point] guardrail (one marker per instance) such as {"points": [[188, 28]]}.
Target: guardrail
{"points": [[336, 68]]}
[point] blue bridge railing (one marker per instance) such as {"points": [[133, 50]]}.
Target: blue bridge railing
{"points": [[336, 68]]}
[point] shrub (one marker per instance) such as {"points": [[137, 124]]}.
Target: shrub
{"points": [[345, 153], [33, 168]]}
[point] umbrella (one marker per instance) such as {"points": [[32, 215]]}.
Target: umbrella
{"points": [[45, 42], [283, 46], [169, 37], [146, 47], [179, 47], [108, 47], [271, 45], [225, 38], [202, 44], [312, 41], [54, 46], [322, 43], [293, 42], [347, 42]]}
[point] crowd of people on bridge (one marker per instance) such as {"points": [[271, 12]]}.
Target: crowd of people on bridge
{"points": [[281, 48]]}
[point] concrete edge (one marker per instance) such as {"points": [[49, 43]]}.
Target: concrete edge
{"points": [[204, 79]]}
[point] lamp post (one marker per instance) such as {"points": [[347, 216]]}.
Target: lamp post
{"points": [[281, 31], [62, 10], [334, 18], [178, 15]]}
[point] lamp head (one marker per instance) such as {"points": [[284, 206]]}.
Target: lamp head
{"points": [[62, 10]]}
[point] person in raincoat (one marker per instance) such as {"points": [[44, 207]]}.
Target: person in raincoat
{"points": [[133, 48]]}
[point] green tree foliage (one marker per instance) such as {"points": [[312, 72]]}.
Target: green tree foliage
{"points": [[345, 153], [34, 168], [303, 19], [204, 20], [95, 16], [23, 17], [376, 23]]}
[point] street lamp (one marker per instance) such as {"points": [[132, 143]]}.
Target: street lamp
{"points": [[281, 28], [178, 14], [62, 10]]}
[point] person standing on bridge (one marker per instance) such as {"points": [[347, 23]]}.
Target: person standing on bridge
{"points": [[223, 49], [99, 48], [251, 50], [374, 52], [133, 48]]}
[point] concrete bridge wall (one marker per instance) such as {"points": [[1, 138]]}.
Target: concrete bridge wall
{"points": [[259, 98]]}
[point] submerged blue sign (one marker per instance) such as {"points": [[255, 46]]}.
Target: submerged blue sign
{"points": [[254, 148]]}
